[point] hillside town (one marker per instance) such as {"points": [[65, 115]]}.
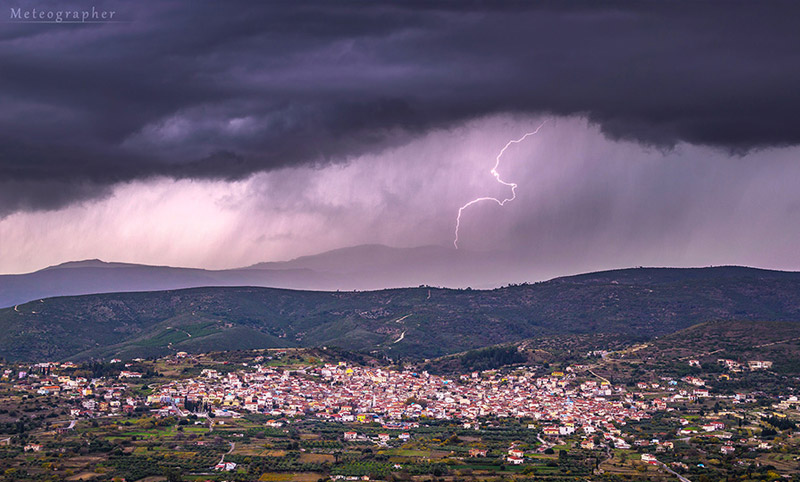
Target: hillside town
{"points": [[290, 400], [352, 393]]}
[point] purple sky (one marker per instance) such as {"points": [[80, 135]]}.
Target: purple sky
{"points": [[221, 134]]}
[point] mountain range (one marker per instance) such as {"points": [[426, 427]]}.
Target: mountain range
{"points": [[365, 267], [419, 323]]}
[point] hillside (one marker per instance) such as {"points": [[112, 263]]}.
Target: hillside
{"points": [[739, 341], [629, 358], [412, 322]]}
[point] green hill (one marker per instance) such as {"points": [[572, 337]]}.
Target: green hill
{"points": [[705, 344], [735, 340], [413, 322]]}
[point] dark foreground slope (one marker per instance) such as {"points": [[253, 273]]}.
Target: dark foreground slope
{"points": [[416, 322]]}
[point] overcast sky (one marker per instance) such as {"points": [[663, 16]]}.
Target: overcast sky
{"points": [[220, 134]]}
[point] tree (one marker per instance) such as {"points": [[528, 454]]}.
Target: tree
{"points": [[173, 474]]}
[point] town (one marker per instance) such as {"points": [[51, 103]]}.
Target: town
{"points": [[292, 414], [347, 394]]}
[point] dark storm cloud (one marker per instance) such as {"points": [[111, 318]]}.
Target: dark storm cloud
{"points": [[213, 89]]}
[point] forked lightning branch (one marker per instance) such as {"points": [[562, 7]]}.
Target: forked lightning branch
{"points": [[496, 175]]}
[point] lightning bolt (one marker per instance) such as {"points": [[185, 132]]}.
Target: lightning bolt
{"points": [[496, 175]]}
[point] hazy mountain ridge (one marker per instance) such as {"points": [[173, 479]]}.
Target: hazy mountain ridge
{"points": [[342, 259], [416, 322], [367, 267]]}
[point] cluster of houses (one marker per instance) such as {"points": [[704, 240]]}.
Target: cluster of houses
{"points": [[92, 397], [379, 439], [736, 366], [358, 394], [562, 403], [340, 392]]}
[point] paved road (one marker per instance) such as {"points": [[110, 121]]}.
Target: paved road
{"points": [[679, 476], [545, 445], [598, 376], [180, 412], [222, 460]]}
